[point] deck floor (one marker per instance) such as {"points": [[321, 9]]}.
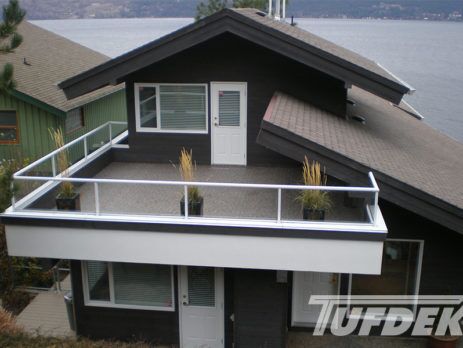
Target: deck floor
{"points": [[218, 202], [46, 314]]}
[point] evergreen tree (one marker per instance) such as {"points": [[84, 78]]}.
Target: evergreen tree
{"points": [[10, 39]]}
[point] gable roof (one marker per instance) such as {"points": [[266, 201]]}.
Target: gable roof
{"points": [[416, 166], [43, 60], [251, 25]]}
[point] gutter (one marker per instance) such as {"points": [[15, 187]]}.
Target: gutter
{"points": [[40, 104], [411, 90]]}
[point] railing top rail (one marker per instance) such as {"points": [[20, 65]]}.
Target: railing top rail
{"points": [[67, 145], [200, 184]]}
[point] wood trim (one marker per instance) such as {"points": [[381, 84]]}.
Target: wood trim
{"points": [[17, 128]]}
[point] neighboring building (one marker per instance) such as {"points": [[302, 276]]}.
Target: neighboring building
{"points": [[251, 96], [37, 104]]}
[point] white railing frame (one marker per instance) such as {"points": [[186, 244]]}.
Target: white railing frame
{"points": [[56, 179]]}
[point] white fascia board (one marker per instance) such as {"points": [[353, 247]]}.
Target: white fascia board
{"points": [[254, 252]]}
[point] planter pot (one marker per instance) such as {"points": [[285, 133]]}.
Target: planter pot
{"points": [[443, 341], [313, 214], [194, 208], [68, 203]]}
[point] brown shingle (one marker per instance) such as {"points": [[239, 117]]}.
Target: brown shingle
{"points": [[52, 59], [391, 142]]}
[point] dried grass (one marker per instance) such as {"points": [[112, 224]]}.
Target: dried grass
{"points": [[187, 170], [313, 175], [66, 187], [8, 323]]}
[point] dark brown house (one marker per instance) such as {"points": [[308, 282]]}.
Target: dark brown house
{"points": [[251, 96]]}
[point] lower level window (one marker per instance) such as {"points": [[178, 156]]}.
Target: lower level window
{"points": [[129, 285]]}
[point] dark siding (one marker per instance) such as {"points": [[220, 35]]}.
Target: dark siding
{"points": [[157, 327], [228, 58], [260, 309], [442, 271]]}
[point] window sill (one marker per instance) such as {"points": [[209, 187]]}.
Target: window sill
{"points": [[169, 131], [132, 307]]}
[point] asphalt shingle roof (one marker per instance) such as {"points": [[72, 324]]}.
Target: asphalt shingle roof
{"points": [[391, 141], [336, 51], [51, 59]]}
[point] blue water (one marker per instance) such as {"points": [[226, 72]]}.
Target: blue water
{"points": [[427, 55]]}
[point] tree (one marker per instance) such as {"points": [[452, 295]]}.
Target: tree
{"points": [[206, 8], [10, 39]]}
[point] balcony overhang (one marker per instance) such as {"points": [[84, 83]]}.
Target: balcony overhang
{"points": [[202, 249]]}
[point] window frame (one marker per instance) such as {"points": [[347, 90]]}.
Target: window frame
{"points": [[111, 303], [16, 127], [82, 119], [141, 129], [419, 265]]}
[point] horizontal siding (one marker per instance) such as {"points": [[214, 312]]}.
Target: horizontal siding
{"points": [[34, 123]]}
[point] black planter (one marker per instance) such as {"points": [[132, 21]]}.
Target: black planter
{"points": [[313, 214], [195, 208], [68, 203]]}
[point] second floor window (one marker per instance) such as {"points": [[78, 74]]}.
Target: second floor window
{"points": [[9, 130], [171, 108]]}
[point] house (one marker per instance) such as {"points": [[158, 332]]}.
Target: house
{"points": [[37, 104], [251, 96]]}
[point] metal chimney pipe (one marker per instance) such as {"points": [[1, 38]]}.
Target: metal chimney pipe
{"points": [[283, 16], [278, 10], [270, 5]]}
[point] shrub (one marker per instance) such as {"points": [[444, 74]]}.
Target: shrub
{"points": [[8, 324]]}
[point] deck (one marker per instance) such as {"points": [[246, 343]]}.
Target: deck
{"points": [[219, 202]]}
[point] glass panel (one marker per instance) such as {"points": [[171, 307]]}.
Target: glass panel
{"points": [[98, 280], [74, 120], [398, 272], [8, 118], [201, 286], [142, 284], [229, 108], [183, 107], [7, 134], [148, 117]]}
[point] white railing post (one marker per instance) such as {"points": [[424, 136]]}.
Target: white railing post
{"points": [[279, 206], [110, 133], [97, 199], [53, 165], [85, 148], [186, 201], [375, 212], [13, 198]]}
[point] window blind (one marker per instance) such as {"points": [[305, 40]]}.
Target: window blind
{"points": [[229, 108], [201, 286], [142, 284], [183, 107], [98, 280]]}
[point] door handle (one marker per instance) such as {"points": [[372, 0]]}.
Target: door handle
{"points": [[216, 124], [185, 303]]}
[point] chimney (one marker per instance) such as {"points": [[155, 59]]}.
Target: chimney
{"points": [[280, 9]]}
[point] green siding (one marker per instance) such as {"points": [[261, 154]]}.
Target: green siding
{"points": [[109, 108], [34, 123]]}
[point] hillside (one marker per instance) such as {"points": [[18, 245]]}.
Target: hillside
{"points": [[391, 9]]}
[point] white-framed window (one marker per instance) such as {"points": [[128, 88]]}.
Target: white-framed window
{"points": [[171, 108], [74, 120], [400, 272], [128, 285]]}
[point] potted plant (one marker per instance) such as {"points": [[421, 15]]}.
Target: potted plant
{"points": [[446, 340], [314, 202], [67, 197], [195, 200]]}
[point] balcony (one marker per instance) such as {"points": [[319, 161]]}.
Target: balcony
{"points": [[255, 204]]}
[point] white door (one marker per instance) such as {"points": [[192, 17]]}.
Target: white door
{"points": [[306, 284], [201, 303], [228, 133]]}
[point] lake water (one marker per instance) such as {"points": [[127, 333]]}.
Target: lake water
{"points": [[427, 55]]}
